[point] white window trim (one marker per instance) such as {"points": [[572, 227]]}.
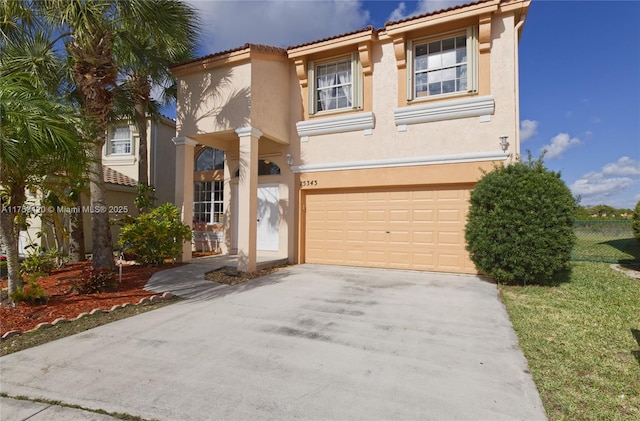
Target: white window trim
{"points": [[475, 106], [472, 64], [213, 202], [356, 84], [109, 143], [349, 123]]}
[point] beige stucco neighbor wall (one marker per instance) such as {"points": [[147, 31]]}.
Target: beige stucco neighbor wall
{"points": [[162, 160], [160, 157]]}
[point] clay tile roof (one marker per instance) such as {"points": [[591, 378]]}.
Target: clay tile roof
{"points": [[366, 28], [248, 45], [115, 177], [435, 12]]}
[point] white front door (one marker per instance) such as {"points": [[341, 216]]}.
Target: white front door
{"points": [[268, 219]]}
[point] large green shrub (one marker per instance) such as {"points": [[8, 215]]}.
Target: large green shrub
{"points": [[520, 223], [636, 221], [155, 236]]}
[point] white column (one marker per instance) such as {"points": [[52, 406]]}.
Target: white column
{"points": [[248, 198], [184, 185]]}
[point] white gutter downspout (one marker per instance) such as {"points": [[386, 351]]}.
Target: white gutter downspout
{"points": [[516, 39]]}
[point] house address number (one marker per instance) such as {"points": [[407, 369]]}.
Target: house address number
{"points": [[305, 183]]}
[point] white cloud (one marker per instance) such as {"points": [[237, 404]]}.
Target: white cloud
{"points": [[559, 144], [398, 13], [528, 129], [423, 6], [596, 184], [610, 185], [231, 24], [623, 166]]}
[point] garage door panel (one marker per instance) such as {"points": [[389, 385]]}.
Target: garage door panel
{"points": [[376, 236], [420, 228], [374, 215], [418, 215], [402, 238], [401, 215], [333, 234], [449, 238], [355, 215], [445, 215]]}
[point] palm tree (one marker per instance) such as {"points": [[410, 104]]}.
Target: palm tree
{"points": [[96, 30], [145, 59], [38, 136], [38, 131], [90, 28]]}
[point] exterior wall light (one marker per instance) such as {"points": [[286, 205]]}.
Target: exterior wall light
{"points": [[504, 144], [289, 159]]}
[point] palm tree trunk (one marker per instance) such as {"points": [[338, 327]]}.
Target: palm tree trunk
{"points": [[76, 234], [100, 227], [9, 231], [141, 93]]}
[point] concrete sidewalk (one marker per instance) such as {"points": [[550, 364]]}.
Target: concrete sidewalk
{"points": [[307, 342], [188, 281], [19, 409]]}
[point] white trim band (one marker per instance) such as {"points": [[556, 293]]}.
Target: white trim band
{"points": [[347, 123], [183, 140], [116, 160], [402, 162], [249, 131], [449, 110]]}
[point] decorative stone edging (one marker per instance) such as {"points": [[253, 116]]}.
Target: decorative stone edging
{"points": [[61, 320]]}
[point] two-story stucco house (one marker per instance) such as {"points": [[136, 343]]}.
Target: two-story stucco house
{"points": [[359, 149]]}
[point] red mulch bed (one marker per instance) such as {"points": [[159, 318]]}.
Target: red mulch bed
{"points": [[64, 302]]}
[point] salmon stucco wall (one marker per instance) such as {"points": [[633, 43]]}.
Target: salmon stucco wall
{"points": [[270, 96], [214, 100]]}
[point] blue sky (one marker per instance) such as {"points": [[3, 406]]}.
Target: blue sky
{"points": [[579, 75]]}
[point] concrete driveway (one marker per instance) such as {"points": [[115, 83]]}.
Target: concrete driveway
{"points": [[309, 342]]}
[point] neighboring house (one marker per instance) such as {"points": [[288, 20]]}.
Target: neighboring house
{"points": [[120, 153], [120, 161], [359, 149]]}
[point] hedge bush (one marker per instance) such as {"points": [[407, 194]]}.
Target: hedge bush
{"points": [[155, 236], [520, 223]]}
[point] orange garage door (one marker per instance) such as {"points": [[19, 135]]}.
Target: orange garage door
{"points": [[419, 228]]}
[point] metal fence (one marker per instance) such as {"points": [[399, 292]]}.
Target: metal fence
{"points": [[606, 241]]}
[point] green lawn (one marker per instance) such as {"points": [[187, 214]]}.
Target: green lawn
{"points": [[582, 341]]}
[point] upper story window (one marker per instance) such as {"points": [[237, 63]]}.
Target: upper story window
{"points": [[443, 66], [120, 140], [210, 159], [335, 84]]}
